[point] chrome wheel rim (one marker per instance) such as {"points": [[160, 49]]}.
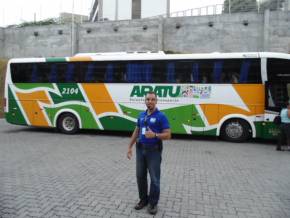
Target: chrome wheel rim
{"points": [[68, 124], [234, 130]]}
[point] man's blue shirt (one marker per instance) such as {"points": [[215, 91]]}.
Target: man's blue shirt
{"points": [[156, 121], [284, 116]]}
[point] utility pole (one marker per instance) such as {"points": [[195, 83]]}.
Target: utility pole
{"points": [[117, 10], [100, 10], [72, 28], [168, 8]]}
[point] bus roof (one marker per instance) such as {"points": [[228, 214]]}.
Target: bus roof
{"points": [[122, 56]]}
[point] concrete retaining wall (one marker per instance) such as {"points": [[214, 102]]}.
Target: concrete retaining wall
{"points": [[1, 41], [224, 33]]}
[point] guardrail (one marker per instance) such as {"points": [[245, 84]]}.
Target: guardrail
{"points": [[230, 8]]}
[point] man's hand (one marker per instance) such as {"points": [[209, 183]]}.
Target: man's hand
{"points": [[149, 134], [129, 153]]}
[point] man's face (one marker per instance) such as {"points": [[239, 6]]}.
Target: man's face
{"points": [[150, 101]]}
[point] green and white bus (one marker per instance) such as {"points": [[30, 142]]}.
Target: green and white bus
{"points": [[232, 95]]}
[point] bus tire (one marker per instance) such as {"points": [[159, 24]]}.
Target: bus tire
{"points": [[68, 123], [235, 130]]}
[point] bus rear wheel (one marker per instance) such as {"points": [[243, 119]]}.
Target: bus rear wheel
{"points": [[236, 130], [68, 123]]}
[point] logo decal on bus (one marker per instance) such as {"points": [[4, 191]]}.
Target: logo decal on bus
{"points": [[186, 91], [200, 92], [161, 91]]}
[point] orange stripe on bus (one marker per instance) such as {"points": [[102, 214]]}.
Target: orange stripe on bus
{"points": [[215, 112], [80, 59], [99, 98], [30, 105], [252, 96]]}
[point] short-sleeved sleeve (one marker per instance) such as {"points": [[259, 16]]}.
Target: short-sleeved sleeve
{"points": [[138, 122], [164, 122]]}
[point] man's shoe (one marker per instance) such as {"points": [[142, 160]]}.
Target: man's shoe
{"points": [[278, 149], [141, 205], [152, 209]]}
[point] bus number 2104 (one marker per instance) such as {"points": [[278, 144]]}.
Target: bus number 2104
{"points": [[70, 91]]}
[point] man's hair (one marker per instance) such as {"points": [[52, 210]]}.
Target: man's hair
{"points": [[152, 93]]}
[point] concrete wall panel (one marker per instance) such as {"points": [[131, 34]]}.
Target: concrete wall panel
{"points": [[223, 33]]}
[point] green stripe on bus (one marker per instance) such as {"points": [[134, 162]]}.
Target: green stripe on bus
{"points": [[87, 119], [55, 59], [183, 115], [69, 92], [117, 123], [27, 86], [14, 114], [131, 112]]}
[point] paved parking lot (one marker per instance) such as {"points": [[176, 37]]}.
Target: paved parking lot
{"points": [[46, 174]]}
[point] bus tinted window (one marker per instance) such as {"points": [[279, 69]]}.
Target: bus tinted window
{"points": [[278, 69], [227, 71], [155, 71], [278, 85], [183, 71], [94, 72], [22, 72], [160, 72], [241, 71], [139, 71]]}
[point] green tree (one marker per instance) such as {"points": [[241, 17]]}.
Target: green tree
{"points": [[39, 23], [235, 6]]}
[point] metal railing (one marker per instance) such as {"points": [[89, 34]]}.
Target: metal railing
{"points": [[231, 7]]}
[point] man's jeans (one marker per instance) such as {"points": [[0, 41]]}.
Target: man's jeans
{"points": [[284, 135], [148, 159]]}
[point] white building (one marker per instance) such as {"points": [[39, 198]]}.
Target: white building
{"points": [[127, 9]]}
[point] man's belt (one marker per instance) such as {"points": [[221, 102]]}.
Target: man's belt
{"points": [[150, 147]]}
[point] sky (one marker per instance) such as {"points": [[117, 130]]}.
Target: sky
{"points": [[18, 11]]}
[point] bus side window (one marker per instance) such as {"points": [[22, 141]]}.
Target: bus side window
{"points": [[92, 73], [21, 72], [244, 72], [159, 71], [89, 70], [234, 78], [109, 73], [205, 71], [231, 71], [34, 73], [40, 72], [183, 71], [70, 71], [119, 73], [195, 73], [139, 72], [254, 71], [170, 72], [53, 74], [217, 71], [147, 72]]}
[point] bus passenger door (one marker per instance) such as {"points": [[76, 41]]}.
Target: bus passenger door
{"points": [[277, 94]]}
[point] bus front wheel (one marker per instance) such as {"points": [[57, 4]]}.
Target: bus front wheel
{"points": [[68, 123], [235, 130]]}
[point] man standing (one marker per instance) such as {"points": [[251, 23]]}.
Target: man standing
{"points": [[284, 128], [152, 127]]}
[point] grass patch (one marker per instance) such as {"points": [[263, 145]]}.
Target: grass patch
{"points": [[3, 64]]}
